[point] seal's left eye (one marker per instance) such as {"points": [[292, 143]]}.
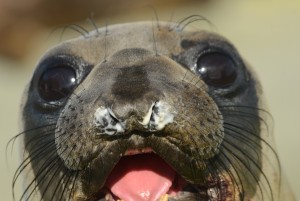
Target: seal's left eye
{"points": [[57, 83], [217, 69]]}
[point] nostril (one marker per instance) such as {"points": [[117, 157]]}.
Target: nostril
{"points": [[106, 122], [148, 116], [154, 112], [159, 115]]}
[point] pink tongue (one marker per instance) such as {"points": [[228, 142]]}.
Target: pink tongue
{"points": [[143, 177]]}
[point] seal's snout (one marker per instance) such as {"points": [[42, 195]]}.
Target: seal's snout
{"points": [[141, 100], [140, 91], [134, 81]]}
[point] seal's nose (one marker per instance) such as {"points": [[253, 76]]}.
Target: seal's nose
{"points": [[159, 115], [133, 79], [137, 91], [134, 91], [138, 103]]}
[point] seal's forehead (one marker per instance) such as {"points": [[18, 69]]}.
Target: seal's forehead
{"points": [[163, 37]]}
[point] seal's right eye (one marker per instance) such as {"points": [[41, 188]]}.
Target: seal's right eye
{"points": [[57, 83]]}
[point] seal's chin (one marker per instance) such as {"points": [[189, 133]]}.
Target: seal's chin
{"points": [[144, 176]]}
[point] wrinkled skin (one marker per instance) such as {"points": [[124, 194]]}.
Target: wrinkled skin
{"points": [[214, 135]]}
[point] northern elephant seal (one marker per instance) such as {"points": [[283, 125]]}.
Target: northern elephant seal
{"points": [[145, 111]]}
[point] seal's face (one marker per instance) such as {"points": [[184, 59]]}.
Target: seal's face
{"points": [[141, 112]]}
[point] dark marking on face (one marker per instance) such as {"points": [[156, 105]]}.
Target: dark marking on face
{"points": [[131, 83]]}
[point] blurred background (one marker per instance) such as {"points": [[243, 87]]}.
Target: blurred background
{"points": [[266, 32]]}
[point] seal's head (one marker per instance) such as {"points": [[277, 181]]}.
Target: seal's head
{"points": [[141, 112]]}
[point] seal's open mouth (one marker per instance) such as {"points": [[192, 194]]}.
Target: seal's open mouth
{"points": [[144, 176]]}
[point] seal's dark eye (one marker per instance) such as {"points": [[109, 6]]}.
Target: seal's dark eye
{"points": [[57, 83], [217, 69]]}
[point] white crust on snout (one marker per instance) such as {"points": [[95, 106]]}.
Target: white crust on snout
{"points": [[146, 119], [104, 116], [155, 121]]}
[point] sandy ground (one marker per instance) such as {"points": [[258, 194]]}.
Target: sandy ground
{"points": [[266, 34]]}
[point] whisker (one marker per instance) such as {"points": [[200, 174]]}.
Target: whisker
{"points": [[59, 167], [258, 138], [40, 176], [58, 186], [237, 181], [37, 154], [154, 41], [77, 28], [42, 169], [248, 168], [65, 186], [73, 184], [155, 15], [93, 22], [13, 139], [183, 23], [245, 140]]}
